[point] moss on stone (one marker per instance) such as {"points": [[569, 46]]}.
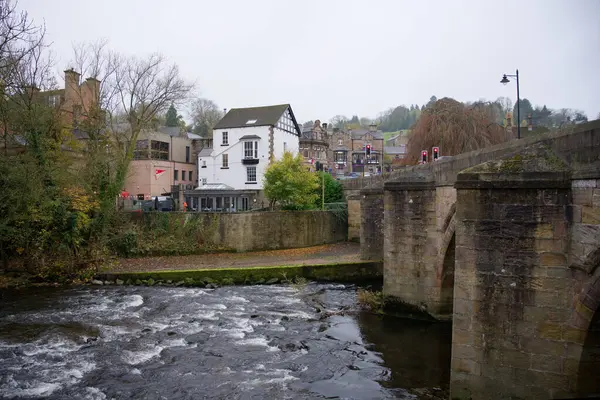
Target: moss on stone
{"points": [[338, 272]]}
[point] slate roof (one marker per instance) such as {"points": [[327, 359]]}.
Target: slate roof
{"points": [[394, 149], [359, 133], [193, 136], [264, 116], [170, 130], [205, 152]]}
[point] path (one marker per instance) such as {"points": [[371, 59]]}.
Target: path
{"points": [[326, 254]]}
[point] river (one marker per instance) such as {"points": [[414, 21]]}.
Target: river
{"points": [[238, 342]]}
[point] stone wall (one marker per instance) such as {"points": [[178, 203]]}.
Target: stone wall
{"points": [[513, 291], [371, 225], [250, 231], [277, 229], [411, 246], [353, 199]]}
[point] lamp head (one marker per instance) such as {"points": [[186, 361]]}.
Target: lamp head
{"points": [[504, 80]]}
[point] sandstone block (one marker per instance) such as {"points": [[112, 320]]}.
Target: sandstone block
{"points": [[590, 215], [548, 259]]}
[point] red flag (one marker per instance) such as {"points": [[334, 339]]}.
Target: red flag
{"points": [[159, 172]]}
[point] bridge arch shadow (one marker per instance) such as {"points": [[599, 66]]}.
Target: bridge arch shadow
{"points": [[446, 261], [586, 318]]}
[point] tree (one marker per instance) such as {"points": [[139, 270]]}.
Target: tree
{"points": [[172, 118], [455, 128], [366, 122], [526, 109], [431, 101], [133, 93], [334, 191], [290, 184], [205, 115], [339, 121]]}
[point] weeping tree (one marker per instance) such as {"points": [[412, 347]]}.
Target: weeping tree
{"points": [[455, 128]]}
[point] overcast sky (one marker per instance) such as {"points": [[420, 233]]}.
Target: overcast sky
{"points": [[348, 57]]}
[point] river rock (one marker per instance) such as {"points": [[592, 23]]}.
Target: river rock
{"points": [[180, 283], [272, 281], [97, 282], [119, 282]]}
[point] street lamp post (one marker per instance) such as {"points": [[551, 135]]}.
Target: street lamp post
{"points": [[504, 81]]}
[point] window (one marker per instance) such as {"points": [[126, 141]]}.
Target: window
{"points": [[225, 161], [244, 203], [251, 121], [187, 154], [54, 100], [248, 149], [340, 142], [305, 153], [203, 164], [225, 139], [191, 175], [176, 175], [340, 156], [284, 147], [251, 174], [159, 150], [141, 150], [204, 181]]}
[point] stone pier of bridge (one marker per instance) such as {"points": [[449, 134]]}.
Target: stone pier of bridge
{"points": [[505, 242]]}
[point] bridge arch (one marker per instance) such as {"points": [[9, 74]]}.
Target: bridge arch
{"points": [[586, 319]]}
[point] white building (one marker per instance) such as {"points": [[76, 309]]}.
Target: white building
{"points": [[245, 141]]}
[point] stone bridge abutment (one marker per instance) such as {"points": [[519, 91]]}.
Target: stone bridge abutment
{"points": [[504, 241]]}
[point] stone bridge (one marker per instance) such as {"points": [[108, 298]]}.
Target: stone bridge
{"points": [[505, 241]]}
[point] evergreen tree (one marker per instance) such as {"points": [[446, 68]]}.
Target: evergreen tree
{"points": [[172, 119]]}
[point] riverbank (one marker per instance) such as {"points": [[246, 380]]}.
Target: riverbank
{"points": [[334, 262]]}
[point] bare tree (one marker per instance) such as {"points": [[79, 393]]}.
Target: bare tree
{"points": [[132, 93], [205, 115], [338, 121], [19, 37]]}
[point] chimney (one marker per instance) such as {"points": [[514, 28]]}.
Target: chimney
{"points": [[224, 111], [373, 128], [71, 84], [94, 88]]}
